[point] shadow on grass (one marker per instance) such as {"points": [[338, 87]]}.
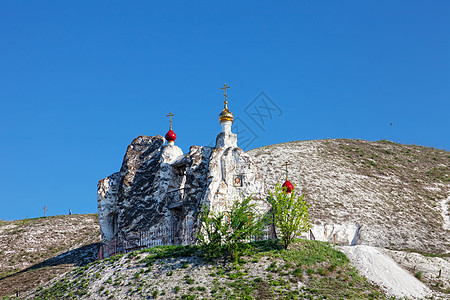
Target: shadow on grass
{"points": [[76, 257]]}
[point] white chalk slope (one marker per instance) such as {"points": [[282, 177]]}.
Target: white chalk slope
{"points": [[384, 271]]}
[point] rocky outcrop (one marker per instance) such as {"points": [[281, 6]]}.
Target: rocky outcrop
{"points": [[138, 205], [131, 200], [107, 195], [233, 175], [161, 191], [347, 234]]}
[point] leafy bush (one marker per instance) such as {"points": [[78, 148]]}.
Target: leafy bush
{"points": [[211, 233], [229, 231], [243, 223], [290, 214]]}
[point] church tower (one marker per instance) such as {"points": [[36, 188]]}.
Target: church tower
{"points": [[226, 138]]}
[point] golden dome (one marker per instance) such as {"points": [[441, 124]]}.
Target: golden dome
{"points": [[226, 115]]}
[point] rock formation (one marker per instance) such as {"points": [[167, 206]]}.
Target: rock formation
{"points": [[160, 191]]}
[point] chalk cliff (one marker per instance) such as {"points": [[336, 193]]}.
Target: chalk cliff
{"points": [[159, 190]]}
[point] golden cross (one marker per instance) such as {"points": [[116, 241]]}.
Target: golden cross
{"points": [[170, 115], [225, 87], [286, 164], [45, 210]]}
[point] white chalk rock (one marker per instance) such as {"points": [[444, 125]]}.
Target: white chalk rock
{"points": [[384, 271], [107, 190]]}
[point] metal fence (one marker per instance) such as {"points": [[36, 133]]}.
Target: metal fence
{"points": [[131, 241]]}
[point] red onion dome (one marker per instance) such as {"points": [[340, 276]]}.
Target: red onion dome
{"points": [[288, 185], [171, 136]]}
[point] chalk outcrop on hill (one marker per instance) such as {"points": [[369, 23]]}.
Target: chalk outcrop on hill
{"points": [[161, 190], [373, 193]]}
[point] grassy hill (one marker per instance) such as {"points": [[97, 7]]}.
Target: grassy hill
{"points": [[309, 270], [398, 194], [32, 251]]}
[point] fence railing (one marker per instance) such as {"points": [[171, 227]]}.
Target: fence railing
{"points": [[126, 242], [131, 241]]}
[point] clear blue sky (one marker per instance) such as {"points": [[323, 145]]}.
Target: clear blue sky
{"points": [[79, 80]]}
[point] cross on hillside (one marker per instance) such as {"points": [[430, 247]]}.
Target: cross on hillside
{"points": [[286, 164], [45, 210]]}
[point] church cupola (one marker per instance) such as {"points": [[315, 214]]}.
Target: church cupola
{"points": [[226, 138], [170, 135], [226, 116], [287, 185]]}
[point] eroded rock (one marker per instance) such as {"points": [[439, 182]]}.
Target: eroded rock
{"points": [[159, 192]]}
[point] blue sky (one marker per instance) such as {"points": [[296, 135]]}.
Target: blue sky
{"points": [[80, 80]]}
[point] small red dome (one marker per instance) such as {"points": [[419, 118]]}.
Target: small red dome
{"points": [[170, 136], [288, 185]]}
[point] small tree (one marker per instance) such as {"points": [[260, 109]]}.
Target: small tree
{"points": [[229, 231], [211, 231], [243, 223], [290, 214]]}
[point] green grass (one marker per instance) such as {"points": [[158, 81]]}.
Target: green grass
{"points": [[164, 252], [323, 272]]}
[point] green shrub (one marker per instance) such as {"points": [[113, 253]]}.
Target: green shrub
{"points": [[418, 275], [229, 231], [290, 213]]}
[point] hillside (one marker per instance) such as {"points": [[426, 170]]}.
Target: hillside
{"points": [[374, 193], [32, 251], [382, 194], [309, 270]]}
